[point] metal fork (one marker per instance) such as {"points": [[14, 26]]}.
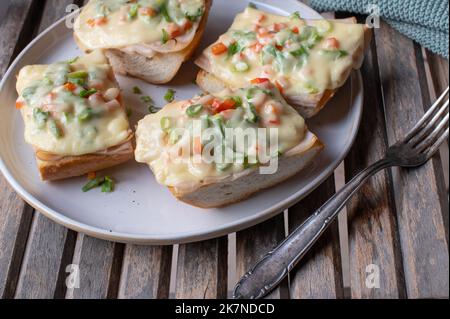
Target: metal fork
{"points": [[418, 147]]}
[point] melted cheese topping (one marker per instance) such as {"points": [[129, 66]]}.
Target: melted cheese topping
{"points": [[72, 109], [162, 138], [299, 56], [105, 24]]}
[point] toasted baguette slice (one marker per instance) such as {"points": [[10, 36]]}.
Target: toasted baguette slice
{"points": [[211, 182], [307, 104], [67, 154], [160, 68], [231, 190], [72, 166]]}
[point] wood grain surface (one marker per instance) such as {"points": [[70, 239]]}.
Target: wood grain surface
{"points": [[419, 193]]}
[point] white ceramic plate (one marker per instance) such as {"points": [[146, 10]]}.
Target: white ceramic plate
{"points": [[140, 210]]}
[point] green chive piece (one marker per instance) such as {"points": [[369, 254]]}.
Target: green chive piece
{"points": [[237, 100], [234, 48], [165, 36], [87, 93], [133, 11], [251, 115], [108, 185], [77, 75], [194, 110], [252, 5], [129, 111], [194, 17], [170, 95], [164, 12], [93, 183], [40, 117], [217, 121], [336, 54], [73, 60], [55, 129], [165, 124], [152, 109], [295, 15], [146, 99], [137, 90], [85, 115]]}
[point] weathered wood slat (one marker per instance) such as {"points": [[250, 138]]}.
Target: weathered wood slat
{"points": [[373, 236], [202, 270], [419, 193], [16, 28], [253, 243], [319, 273], [49, 244], [145, 272], [99, 263]]}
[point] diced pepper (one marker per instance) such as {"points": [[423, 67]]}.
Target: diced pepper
{"points": [[295, 30], [259, 80], [219, 48], [91, 175], [219, 106], [69, 86], [19, 104], [187, 25]]}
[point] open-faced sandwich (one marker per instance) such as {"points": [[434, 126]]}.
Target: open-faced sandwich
{"points": [[147, 39], [218, 149], [306, 59], [73, 115]]}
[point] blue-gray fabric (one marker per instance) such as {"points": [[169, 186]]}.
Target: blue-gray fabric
{"points": [[425, 21]]}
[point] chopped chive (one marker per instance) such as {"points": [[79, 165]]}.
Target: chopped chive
{"points": [[234, 48], [77, 75], [165, 124], [40, 117], [87, 93], [237, 100], [54, 128], [108, 185], [93, 183], [251, 115], [137, 90], [152, 109], [165, 36], [85, 115], [170, 95], [295, 15], [252, 5], [133, 11], [194, 110]]}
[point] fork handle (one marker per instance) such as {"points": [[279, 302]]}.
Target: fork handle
{"points": [[275, 265]]}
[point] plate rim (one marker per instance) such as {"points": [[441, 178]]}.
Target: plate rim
{"points": [[179, 237]]}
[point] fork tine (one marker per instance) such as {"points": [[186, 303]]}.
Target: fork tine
{"points": [[425, 130], [430, 139], [435, 147], [426, 116]]}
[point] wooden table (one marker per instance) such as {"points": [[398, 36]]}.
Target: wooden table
{"points": [[398, 221]]}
